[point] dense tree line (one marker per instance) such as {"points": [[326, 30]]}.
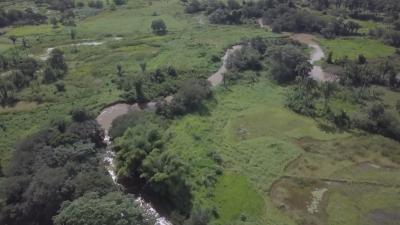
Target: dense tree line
{"points": [[19, 71], [148, 85], [283, 15], [95, 209], [57, 176], [18, 17], [143, 158], [377, 119], [61, 162]]}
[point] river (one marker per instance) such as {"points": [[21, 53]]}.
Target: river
{"points": [[109, 114]]}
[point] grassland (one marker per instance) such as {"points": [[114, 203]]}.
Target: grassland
{"points": [[261, 141], [354, 46], [266, 149], [189, 47]]}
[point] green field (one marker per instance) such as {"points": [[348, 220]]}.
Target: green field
{"points": [[258, 138], [354, 46], [189, 47], [274, 162]]}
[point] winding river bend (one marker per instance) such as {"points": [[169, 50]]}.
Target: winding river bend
{"points": [[110, 113]]}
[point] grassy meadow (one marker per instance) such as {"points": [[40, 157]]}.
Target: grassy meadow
{"points": [[188, 46], [353, 46], [261, 141], [273, 159]]}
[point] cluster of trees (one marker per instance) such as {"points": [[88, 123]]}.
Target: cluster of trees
{"points": [[20, 72], [389, 36], [95, 209], [18, 17], [57, 176], [142, 158], [218, 12], [146, 86], [288, 61], [247, 58], [67, 5], [60, 5], [283, 15], [61, 162], [377, 119], [366, 9], [56, 67], [189, 98], [158, 26], [362, 73]]}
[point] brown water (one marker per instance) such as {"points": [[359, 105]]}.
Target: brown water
{"points": [[109, 114], [317, 73]]}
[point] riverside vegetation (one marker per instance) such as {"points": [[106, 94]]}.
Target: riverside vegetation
{"points": [[262, 143]]}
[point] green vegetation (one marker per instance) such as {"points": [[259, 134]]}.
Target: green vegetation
{"points": [[269, 146], [352, 47]]}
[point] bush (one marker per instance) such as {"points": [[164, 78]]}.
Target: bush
{"points": [[81, 115], [98, 4], [189, 98], [120, 2], [246, 58], [113, 208], [288, 62], [159, 27]]}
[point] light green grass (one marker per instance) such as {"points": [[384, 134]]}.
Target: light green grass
{"points": [[236, 199], [188, 47], [352, 47], [260, 156]]}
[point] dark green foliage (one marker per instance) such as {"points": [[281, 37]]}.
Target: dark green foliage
{"points": [[56, 60], [158, 26], [288, 62], [7, 92], [56, 67], [122, 123], [246, 58], [340, 27], [376, 119], [14, 16], [81, 115], [57, 164], [193, 6], [198, 216], [189, 98], [341, 120], [98, 4], [60, 86], [142, 157], [149, 85], [302, 98], [119, 2], [165, 175], [362, 73], [94, 209]]}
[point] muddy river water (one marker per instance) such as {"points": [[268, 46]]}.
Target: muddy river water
{"points": [[110, 113]]}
